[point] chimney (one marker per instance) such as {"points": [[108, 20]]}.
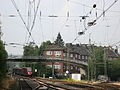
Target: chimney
{"points": [[77, 45]]}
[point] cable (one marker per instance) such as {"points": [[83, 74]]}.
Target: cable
{"points": [[90, 6], [35, 14], [29, 20], [106, 10], [13, 2], [103, 7], [93, 22]]}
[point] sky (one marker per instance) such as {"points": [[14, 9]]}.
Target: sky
{"points": [[105, 32]]}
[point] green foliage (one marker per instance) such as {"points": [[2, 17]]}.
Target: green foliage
{"points": [[3, 53], [114, 69], [3, 56], [30, 50], [43, 46], [99, 56], [75, 81], [59, 41], [96, 62]]}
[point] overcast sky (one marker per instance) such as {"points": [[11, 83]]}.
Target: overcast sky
{"points": [[105, 32]]}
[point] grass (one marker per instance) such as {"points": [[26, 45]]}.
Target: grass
{"points": [[74, 81], [7, 83]]}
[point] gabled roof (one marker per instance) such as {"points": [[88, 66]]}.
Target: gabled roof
{"points": [[84, 49], [80, 49], [111, 53]]}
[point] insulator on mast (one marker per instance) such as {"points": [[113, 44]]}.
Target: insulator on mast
{"points": [[81, 33]]}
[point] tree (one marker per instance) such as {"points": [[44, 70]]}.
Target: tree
{"points": [[59, 41], [3, 56], [43, 46], [30, 50], [114, 70], [3, 52], [99, 56], [96, 62]]}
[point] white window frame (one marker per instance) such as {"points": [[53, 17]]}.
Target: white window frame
{"points": [[71, 55], [79, 57], [49, 53], [76, 55], [83, 57], [57, 66], [57, 53], [86, 57]]}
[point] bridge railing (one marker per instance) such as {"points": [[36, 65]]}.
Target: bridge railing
{"points": [[56, 58], [51, 58]]}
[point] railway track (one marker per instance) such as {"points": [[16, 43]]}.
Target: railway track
{"points": [[47, 84], [24, 85]]}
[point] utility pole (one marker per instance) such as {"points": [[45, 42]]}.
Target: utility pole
{"points": [[89, 58], [105, 62], [53, 70], [68, 54], [91, 62]]}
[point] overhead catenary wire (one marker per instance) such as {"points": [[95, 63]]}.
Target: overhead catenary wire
{"points": [[29, 19], [35, 15], [94, 21], [76, 2], [34, 19], [13, 2], [106, 10], [103, 7]]}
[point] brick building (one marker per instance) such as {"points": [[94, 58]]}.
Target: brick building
{"points": [[72, 52]]}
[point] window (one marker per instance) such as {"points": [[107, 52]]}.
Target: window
{"points": [[83, 57], [76, 55], [71, 67], [57, 53], [86, 57], [64, 54], [49, 66], [79, 57], [49, 52], [57, 66], [71, 55]]}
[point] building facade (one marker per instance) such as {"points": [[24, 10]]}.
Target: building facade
{"points": [[79, 52]]}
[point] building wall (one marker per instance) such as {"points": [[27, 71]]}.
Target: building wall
{"points": [[55, 53], [57, 66]]}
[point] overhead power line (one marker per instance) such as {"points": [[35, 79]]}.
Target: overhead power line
{"points": [[13, 2], [94, 21], [35, 14]]}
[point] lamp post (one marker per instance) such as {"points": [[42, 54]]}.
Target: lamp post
{"points": [[36, 72]]}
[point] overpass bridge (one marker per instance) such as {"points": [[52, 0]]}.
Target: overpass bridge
{"points": [[46, 59]]}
